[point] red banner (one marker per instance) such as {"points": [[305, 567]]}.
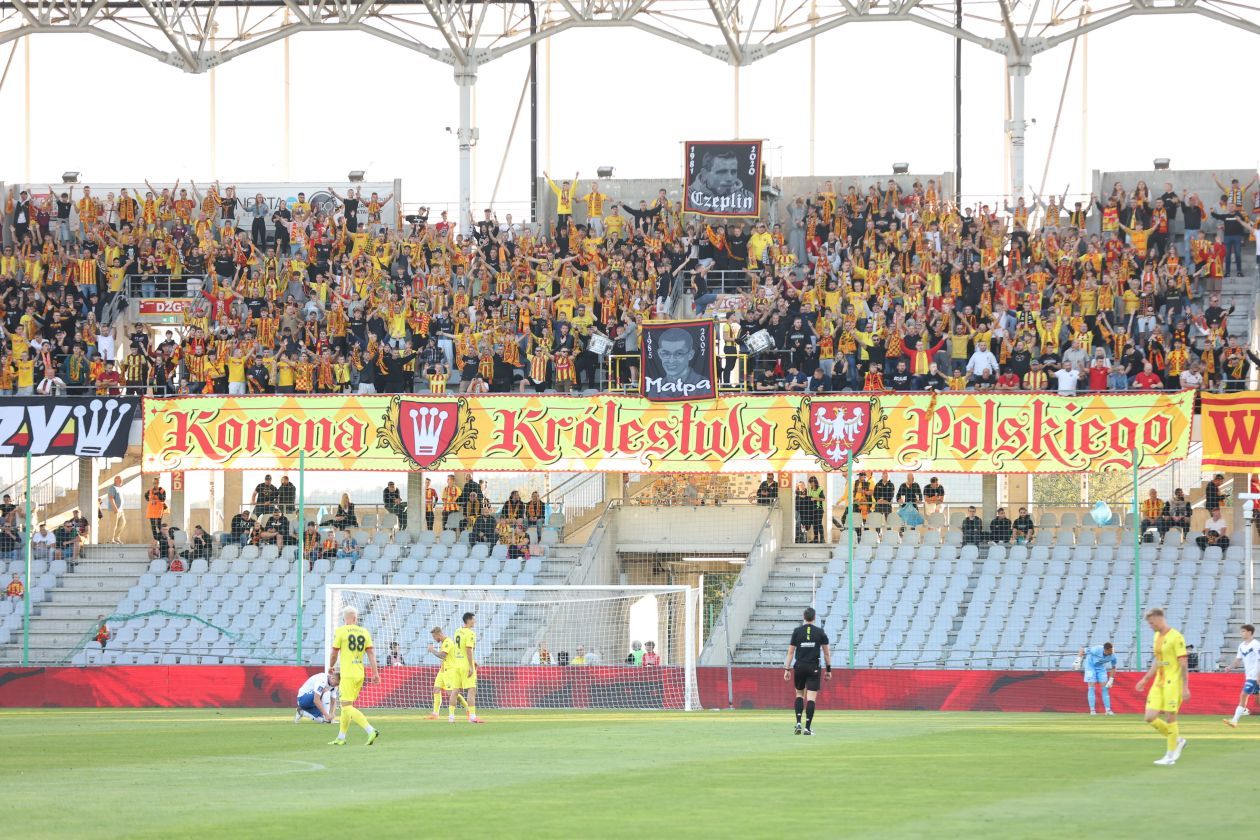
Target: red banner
{"points": [[215, 686], [162, 306]]}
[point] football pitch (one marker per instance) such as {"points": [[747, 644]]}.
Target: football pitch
{"points": [[254, 773]]}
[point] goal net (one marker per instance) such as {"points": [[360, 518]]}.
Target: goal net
{"points": [[537, 647]]}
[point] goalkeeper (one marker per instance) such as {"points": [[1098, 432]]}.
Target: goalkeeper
{"points": [[1099, 663]]}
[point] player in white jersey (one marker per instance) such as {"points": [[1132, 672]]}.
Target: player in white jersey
{"points": [[1249, 658], [316, 698]]}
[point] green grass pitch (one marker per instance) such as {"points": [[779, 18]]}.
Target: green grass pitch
{"points": [[241, 773]]}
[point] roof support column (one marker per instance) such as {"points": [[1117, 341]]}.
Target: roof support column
{"points": [[466, 135], [1017, 68]]}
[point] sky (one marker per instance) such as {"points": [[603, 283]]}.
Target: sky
{"points": [[1169, 86]]}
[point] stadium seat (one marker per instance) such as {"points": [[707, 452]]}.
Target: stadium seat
{"points": [[448, 538]]}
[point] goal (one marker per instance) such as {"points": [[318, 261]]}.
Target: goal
{"points": [[537, 646]]}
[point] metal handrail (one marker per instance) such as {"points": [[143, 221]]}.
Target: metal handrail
{"points": [[43, 487], [166, 285]]}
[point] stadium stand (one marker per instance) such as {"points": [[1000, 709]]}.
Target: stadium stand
{"points": [[877, 286], [923, 599], [238, 607], [322, 302]]}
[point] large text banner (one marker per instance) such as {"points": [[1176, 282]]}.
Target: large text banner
{"points": [[1021, 433], [1231, 431]]}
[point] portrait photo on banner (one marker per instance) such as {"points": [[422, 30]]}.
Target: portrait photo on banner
{"points": [[678, 361], [722, 178]]}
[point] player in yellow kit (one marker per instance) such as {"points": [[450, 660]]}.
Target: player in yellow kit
{"points": [[351, 644], [1170, 685], [446, 680], [466, 665]]}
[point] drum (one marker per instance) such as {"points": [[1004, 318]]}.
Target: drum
{"points": [[600, 345], [759, 342]]}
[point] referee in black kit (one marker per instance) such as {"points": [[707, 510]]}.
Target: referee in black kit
{"points": [[807, 641]]}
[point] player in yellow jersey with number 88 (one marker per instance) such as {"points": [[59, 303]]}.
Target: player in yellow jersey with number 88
{"points": [[351, 643]]}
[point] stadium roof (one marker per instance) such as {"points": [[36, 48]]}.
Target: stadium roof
{"points": [[196, 35]]}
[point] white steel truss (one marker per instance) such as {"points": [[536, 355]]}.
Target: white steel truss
{"points": [[196, 35]]}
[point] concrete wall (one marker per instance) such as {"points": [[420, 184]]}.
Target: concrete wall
{"points": [[1184, 181], [631, 190], [726, 632], [647, 529]]}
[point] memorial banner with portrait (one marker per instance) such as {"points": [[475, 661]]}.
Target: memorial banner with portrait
{"points": [[722, 178], [678, 361]]}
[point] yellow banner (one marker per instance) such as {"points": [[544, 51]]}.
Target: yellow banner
{"points": [[1231, 431], [960, 432]]}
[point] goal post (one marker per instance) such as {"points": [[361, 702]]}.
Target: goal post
{"points": [[537, 646]]}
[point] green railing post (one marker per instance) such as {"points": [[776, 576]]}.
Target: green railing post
{"points": [[26, 548], [301, 552], [848, 521], [1137, 569]]}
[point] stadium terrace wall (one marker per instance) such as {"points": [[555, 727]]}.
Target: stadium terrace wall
{"points": [[316, 193], [631, 190], [212, 686], [1184, 181]]}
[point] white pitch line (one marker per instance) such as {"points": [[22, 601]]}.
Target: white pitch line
{"points": [[306, 766]]}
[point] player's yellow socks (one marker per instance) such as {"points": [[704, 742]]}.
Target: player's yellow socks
{"points": [[472, 711], [1160, 726], [347, 714], [1174, 732], [360, 719], [437, 702], [463, 701]]}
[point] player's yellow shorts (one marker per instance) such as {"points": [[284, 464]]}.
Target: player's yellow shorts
{"points": [[461, 679], [1164, 696], [444, 681], [349, 688]]}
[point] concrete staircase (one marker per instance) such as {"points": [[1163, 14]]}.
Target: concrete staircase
{"points": [[100, 581], [785, 596], [558, 562], [1238, 617], [1238, 292]]}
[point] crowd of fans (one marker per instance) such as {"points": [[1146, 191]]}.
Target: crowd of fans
{"points": [[516, 523], [892, 287], [913, 503]]}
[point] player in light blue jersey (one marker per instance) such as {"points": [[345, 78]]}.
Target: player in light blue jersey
{"points": [[1099, 664]]}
